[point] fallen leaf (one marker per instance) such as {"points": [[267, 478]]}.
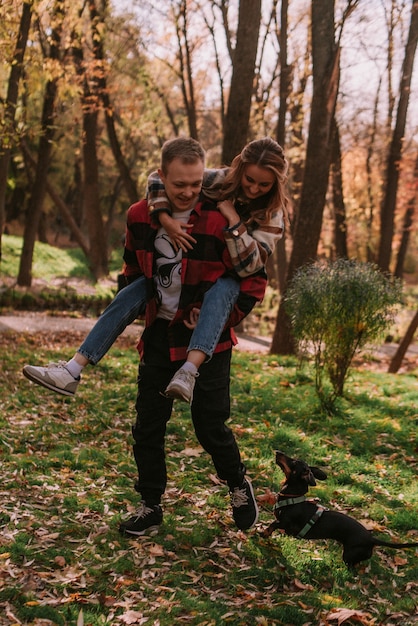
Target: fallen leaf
{"points": [[268, 497], [133, 617], [342, 615], [301, 586], [192, 451]]}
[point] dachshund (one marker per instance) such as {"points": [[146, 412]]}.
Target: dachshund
{"points": [[305, 519]]}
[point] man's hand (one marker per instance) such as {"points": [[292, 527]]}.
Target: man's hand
{"points": [[191, 323], [177, 231]]}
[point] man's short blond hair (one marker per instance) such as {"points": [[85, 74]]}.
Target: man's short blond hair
{"points": [[186, 149]]}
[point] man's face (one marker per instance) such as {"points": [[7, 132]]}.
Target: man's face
{"points": [[182, 182]]}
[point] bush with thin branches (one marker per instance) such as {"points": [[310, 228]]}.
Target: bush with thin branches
{"points": [[337, 308]]}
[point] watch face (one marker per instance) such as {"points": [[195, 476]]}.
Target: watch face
{"points": [[235, 232]]}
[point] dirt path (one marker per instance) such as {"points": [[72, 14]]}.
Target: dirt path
{"points": [[33, 322]]}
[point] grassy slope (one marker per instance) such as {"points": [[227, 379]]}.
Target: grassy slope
{"points": [[49, 262]]}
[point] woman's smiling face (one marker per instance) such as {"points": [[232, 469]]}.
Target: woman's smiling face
{"points": [[256, 181]]}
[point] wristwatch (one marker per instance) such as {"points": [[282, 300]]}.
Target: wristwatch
{"points": [[234, 230]]}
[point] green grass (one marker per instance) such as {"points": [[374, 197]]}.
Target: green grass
{"points": [[67, 475], [61, 280], [50, 262]]}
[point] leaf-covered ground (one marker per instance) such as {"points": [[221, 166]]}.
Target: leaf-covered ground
{"points": [[67, 477]]}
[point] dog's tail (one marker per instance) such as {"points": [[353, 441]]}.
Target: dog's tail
{"points": [[390, 544]]}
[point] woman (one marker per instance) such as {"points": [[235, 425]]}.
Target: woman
{"points": [[252, 197]]}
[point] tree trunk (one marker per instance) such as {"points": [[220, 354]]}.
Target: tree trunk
{"points": [[98, 260], [7, 134], [396, 361], [24, 278], [285, 75], [185, 60], [242, 87], [388, 206], [97, 22], [61, 205], [407, 225], [340, 222], [284, 90], [98, 249], [325, 70]]}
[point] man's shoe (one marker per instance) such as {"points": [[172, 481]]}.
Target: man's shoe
{"points": [[146, 520], [244, 505], [55, 376], [181, 386]]}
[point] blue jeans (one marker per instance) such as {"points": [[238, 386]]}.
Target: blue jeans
{"points": [[130, 302], [217, 305], [126, 306]]}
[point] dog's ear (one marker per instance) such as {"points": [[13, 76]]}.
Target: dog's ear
{"points": [[318, 473]]}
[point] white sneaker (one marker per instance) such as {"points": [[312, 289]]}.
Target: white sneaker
{"points": [[55, 376], [181, 386]]}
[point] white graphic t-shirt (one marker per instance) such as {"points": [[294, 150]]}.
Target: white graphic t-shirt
{"points": [[168, 275]]}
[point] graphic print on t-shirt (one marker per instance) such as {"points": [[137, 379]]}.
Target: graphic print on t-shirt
{"points": [[168, 275]]}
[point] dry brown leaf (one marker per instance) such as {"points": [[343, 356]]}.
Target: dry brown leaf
{"points": [[192, 451], [342, 615], [299, 585], [133, 617], [156, 550], [268, 497]]}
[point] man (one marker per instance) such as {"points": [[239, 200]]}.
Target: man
{"points": [[177, 282]]}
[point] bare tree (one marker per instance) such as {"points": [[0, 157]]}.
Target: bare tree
{"points": [[284, 90], [370, 194], [388, 206], [325, 72], [98, 22], [340, 222], [185, 61], [242, 82], [407, 224], [397, 358], [7, 134], [24, 278], [65, 211]]}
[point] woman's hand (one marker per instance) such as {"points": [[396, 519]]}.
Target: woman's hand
{"points": [[228, 211], [191, 323], [177, 231]]}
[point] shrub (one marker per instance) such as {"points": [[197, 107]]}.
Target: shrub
{"points": [[335, 309]]}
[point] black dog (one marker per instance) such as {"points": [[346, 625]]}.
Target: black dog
{"points": [[302, 518]]}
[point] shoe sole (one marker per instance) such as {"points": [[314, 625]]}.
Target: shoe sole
{"points": [[176, 395], [151, 531], [44, 383]]}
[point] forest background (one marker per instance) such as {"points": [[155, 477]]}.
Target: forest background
{"points": [[90, 92]]}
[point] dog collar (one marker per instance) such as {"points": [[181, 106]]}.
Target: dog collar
{"points": [[288, 502], [320, 509]]}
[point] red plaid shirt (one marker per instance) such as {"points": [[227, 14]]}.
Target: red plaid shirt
{"points": [[208, 260]]}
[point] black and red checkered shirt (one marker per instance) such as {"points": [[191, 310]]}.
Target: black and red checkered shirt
{"points": [[207, 261]]}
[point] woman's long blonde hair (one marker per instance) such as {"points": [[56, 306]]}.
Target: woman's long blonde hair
{"points": [[265, 153]]}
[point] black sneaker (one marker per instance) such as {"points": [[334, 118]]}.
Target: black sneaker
{"points": [[147, 519], [244, 505]]}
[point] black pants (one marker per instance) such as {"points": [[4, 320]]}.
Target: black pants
{"points": [[210, 410]]}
